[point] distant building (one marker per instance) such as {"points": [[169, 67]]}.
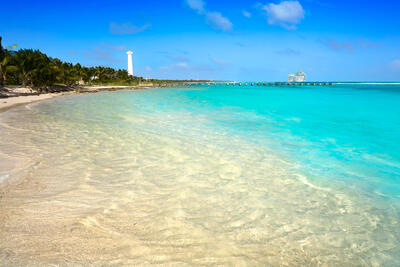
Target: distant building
{"points": [[130, 65], [300, 77]]}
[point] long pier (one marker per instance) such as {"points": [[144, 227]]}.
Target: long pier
{"points": [[186, 84], [252, 84]]}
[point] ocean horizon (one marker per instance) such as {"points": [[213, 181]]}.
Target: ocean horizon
{"points": [[204, 175]]}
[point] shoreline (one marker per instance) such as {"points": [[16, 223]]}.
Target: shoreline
{"points": [[14, 101], [22, 99]]}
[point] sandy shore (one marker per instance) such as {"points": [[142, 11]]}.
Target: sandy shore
{"points": [[6, 103]]}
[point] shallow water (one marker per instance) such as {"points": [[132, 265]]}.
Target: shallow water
{"points": [[208, 176]]}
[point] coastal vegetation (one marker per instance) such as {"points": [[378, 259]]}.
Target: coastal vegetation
{"points": [[34, 69]]}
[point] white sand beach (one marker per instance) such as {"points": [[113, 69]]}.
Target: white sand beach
{"points": [[6, 103]]}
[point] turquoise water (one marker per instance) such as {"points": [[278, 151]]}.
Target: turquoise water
{"points": [[218, 175], [343, 135]]}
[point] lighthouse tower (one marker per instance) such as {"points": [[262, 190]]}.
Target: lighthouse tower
{"points": [[130, 65]]}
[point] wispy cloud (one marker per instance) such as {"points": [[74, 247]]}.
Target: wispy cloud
{"points": [[246, 14], [197, 5], [219, 62], [215, 19], [176, 55], [178, 58], [127, 28], [337, 46], [186, 71], [119, 48], [287, 14], [182, 65], [101, 55], [240, 44], [219, 22], [179, 65], [349, 46], [184, 52], [395, 65], [72, 53], [366, 43], [288, 52]]}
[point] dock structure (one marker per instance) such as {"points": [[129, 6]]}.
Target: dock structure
{"points": [[280, 84]]}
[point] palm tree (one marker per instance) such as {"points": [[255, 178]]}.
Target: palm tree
{"points": [[100, 73], [87, 74], [123, 76], [2, 63], [6, 68], [35, 68], [78, 72], [69, 75]]}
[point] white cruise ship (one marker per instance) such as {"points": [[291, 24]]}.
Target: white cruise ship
{"points": [[298, 78]]}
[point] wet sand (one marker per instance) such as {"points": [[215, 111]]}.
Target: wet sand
{"points": [[12, 101], [6, 103]]}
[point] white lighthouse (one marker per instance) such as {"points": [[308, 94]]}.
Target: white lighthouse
{"points": [[130, 65]]}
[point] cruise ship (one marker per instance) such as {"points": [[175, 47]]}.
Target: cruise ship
{"points": [[299, 77]]}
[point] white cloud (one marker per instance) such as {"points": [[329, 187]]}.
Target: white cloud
{"points": [[197, 5], [219, 22], [246, 14], [287, 14], [148, 68], [215, 19], [181, 65], [127, 28]]}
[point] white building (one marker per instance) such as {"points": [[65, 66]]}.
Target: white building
{"points": [[291, 78], [130, 64], [300, 77]]}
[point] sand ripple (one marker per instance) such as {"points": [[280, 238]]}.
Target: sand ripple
{"points": [[147, 191]]}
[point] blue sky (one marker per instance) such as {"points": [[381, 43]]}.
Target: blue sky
{"points": [[202, 39]]}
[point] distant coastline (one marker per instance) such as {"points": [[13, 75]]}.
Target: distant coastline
{"points": [[27, 72]]}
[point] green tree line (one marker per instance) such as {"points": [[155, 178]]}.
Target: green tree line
{"points": [[32, 68]]}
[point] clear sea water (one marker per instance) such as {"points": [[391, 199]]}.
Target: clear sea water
{"points": [[206, 175]]}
